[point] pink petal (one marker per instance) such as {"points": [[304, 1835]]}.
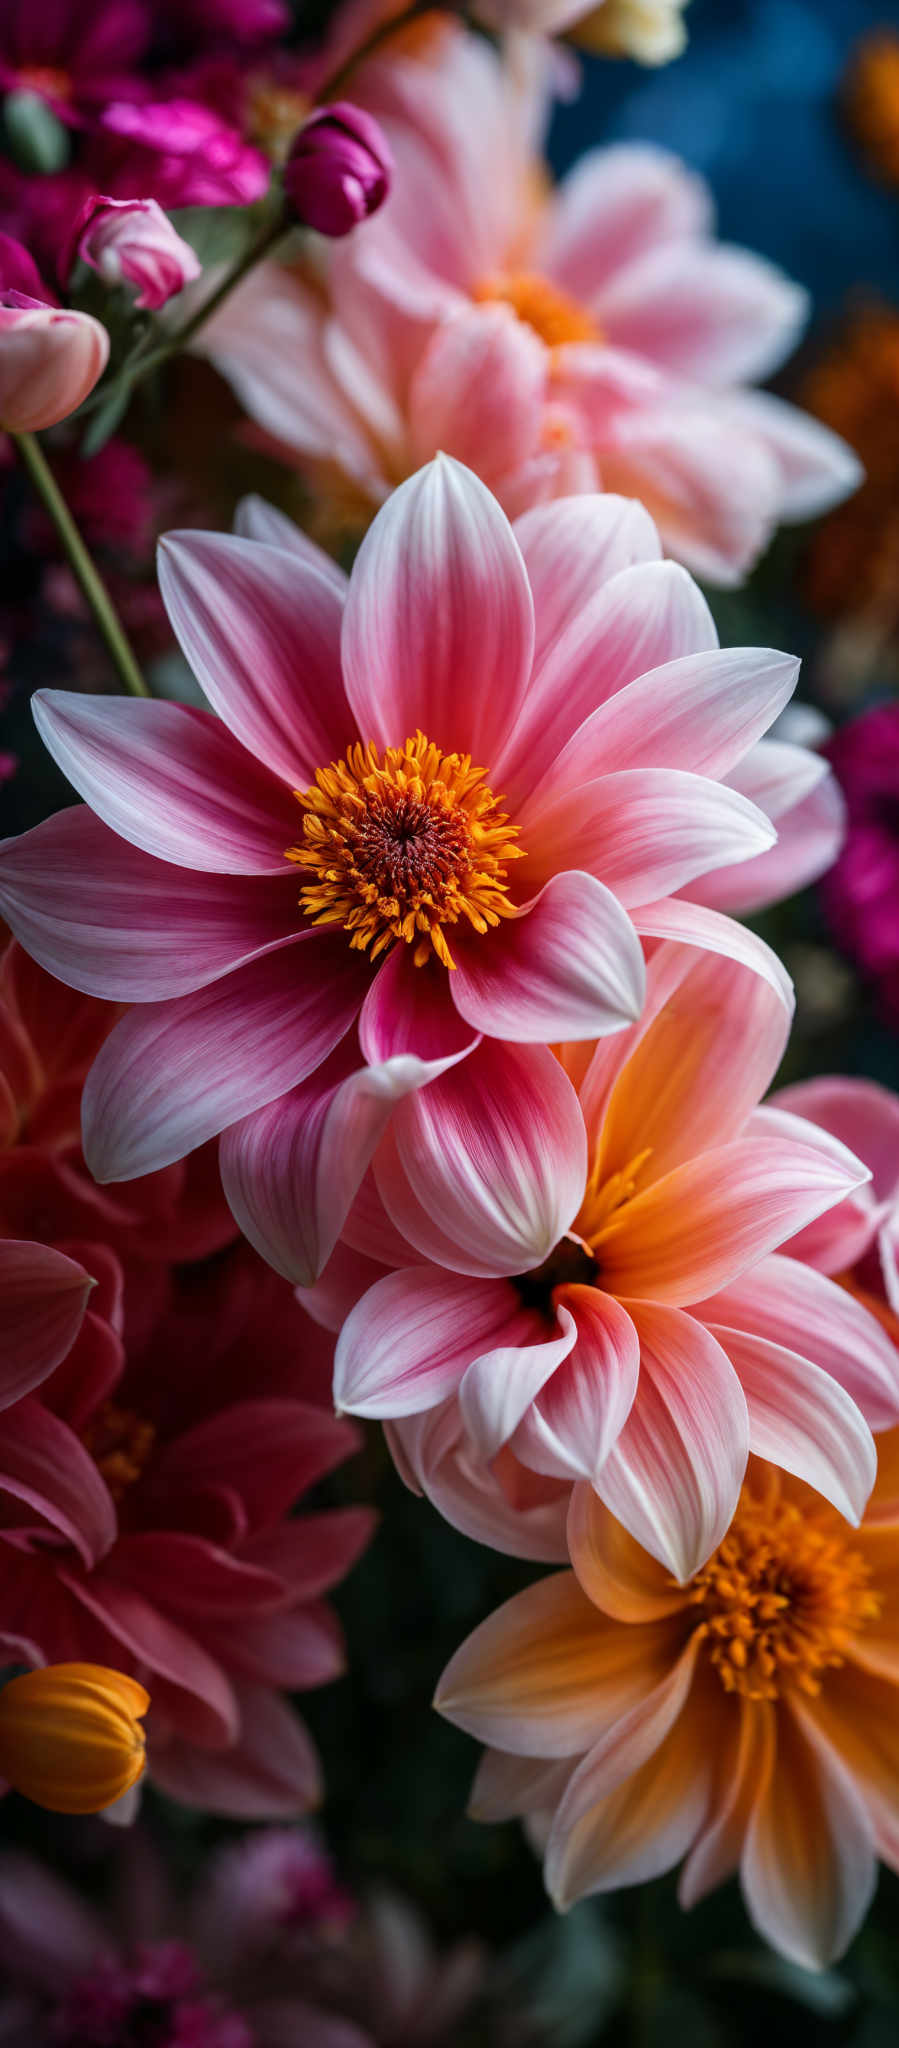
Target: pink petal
{"points": [[170, 1075], [809, 837], [478, 391], [578, 1415], [635, 1802], [802, 1420], [788, 1303], [573, 546], [409, 1341], [192, 1577], [439, 625], [643, 616], [47, 1933], [297, 1650], [410, 1009], [271, 1772], [261, 631], [815, 469], [171, 780], [268, 1450], [716, 1215], [509, 1787], [861, 1113], [484, 1170], [311, 1553], [433, 1456], [617, 1574], [568, 966], [547, 1673], [701, 713], [43, 1296], [645, 832], [674, 1475], [712, 486], [268, 341], [618, 203], [498, 1387], [692, 925], [45, 1466], [109, 920], [715, 314], [808, 1868], [256, 519], [744, 1766], [291, 1170]]}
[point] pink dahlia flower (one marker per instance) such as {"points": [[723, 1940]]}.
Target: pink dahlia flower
{"points": [[581, 1252], [75, 54], [597, 336], [442, 801]]}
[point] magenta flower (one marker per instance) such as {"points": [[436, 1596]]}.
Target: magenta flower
{"points": [[132, 241], [177, 152], [577, 1251], [861, 892], [338, 170], [76, 54], [440, 801]]}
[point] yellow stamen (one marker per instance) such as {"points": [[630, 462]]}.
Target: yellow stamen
{"points": [[602, 1198], [781, 1598], [70, 1736], [400, 845], [542, 306], [120, 1442]]}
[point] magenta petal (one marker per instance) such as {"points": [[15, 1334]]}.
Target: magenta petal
{"points": [[410, 1009], [43, 1296], [581, 1411], [171, 780], [499, 1387], [439, 623], [108, 919], [674, 1476], [45, 1466], [569, 966], [171, 1075], [270, 1773], [411, 1338], [268, 1450], [192, 1576], [803, 1420], [261, 630], [484, 1170]]}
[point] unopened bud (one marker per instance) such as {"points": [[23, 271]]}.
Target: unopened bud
{"points": [[70, 1736], [131, 241], [339, 169]]}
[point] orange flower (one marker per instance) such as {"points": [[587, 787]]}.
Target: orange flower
{"points": [[748, 1720], [70, 1736]]}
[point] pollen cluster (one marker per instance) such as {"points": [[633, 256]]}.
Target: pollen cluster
{"points": [[401, 845], [120, 1442], [542, 306], [781, 1598]]}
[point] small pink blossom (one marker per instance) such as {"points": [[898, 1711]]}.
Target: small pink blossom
{"points": [[50, 359], [132, 241]]}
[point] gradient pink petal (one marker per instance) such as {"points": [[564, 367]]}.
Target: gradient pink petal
{"points": [[578, 1415], [43, 1296], [568, 966], [409, 1341]]}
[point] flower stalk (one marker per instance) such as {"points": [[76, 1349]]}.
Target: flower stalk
{"points": [[83, 568]]}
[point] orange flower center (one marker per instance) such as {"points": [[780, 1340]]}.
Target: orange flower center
{"points": [[401, 845], [781, 1599], [120, 1442], [853, 566], [542, 306], [604, 1196], [871, 97]]}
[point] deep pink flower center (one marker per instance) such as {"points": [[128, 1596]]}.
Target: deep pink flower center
{"points": [[148, 2001]]}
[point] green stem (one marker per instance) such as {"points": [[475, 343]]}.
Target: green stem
{"points": [[94, 589]]}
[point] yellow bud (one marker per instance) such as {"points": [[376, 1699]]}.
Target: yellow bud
{"points": [[70, 1736]]}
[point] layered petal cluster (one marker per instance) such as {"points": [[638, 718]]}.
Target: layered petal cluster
{"points": [[572, 1272], [744, 1722], [597, 337], [441, 803], [858, 1241]]}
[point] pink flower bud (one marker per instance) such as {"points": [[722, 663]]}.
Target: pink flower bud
{"points": [[339, 169], [133, 241], [50, 357]]}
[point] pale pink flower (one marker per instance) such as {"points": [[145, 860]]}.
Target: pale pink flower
{"points": [[509, 744], [580, 1251], [859, 1240], [50, 358], [595, 336], [132, 241]]}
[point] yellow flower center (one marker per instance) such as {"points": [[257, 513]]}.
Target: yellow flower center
{"points": [[70, 1736], [542, 306], [781, 1598], [120, 1442], [400, 845], [871, 96], [603, 1197]]}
